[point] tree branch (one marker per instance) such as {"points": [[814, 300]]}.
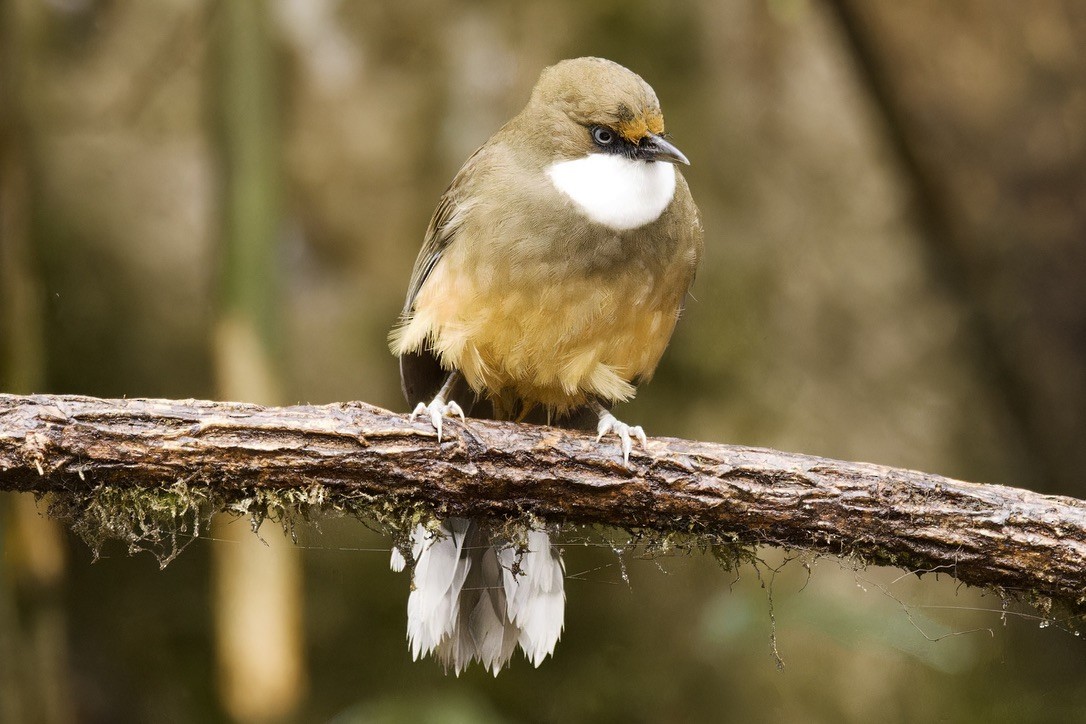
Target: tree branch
{"points": [[1012, 540]]}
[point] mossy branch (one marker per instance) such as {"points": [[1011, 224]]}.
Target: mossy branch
{"points": [[210, 456]]}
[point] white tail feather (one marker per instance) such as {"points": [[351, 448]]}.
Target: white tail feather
{"points": [[474, 598], [440, 572], [398, 562]]}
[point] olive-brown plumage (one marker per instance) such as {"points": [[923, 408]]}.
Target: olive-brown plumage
{"points": [[516, 288], [550, 280]]}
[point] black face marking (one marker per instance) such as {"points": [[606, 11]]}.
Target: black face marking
{"points": [[608, 140]]}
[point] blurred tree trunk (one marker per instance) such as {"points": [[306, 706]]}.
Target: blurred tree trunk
{"points": [[1004, 231], [257, 583], [34, 674]]}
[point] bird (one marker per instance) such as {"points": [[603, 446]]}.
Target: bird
{"points": [[549, 283]]}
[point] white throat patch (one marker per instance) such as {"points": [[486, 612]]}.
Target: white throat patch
{"points": [[619, 192]]}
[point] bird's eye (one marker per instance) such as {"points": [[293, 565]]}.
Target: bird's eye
{"points": [[603, 136]]}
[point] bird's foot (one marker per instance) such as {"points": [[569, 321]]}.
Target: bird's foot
{"points": [[438, 410], [626, 433]]}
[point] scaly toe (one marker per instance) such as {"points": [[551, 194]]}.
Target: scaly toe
{"points": [[419, 409], [627, 444], [626, 434], [438, 410], [436, 413]]}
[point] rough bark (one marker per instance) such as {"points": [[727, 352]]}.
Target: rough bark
{"points": [[1012, 540]]}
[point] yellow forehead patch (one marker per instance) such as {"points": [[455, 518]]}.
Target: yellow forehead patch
{"points": [[634, 128]]}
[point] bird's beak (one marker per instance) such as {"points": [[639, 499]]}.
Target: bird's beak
{"points": [[657, 148]]}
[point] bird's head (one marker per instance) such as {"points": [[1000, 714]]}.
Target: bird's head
{"points": [[595, 106]]}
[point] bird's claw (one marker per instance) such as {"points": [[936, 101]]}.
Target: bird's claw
{"points": [[438, 409], [626, 434]]}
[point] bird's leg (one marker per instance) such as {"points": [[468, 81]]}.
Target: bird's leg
{"points": [[438, 407], [626, 433]]}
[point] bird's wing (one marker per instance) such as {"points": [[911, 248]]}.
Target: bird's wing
{"points": [[442, 229], [421, 374]]}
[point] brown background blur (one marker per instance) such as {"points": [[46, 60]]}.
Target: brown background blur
{"points": [[206, 199]]}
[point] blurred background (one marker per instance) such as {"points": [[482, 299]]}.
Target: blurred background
{"points": [[224, 199]]}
